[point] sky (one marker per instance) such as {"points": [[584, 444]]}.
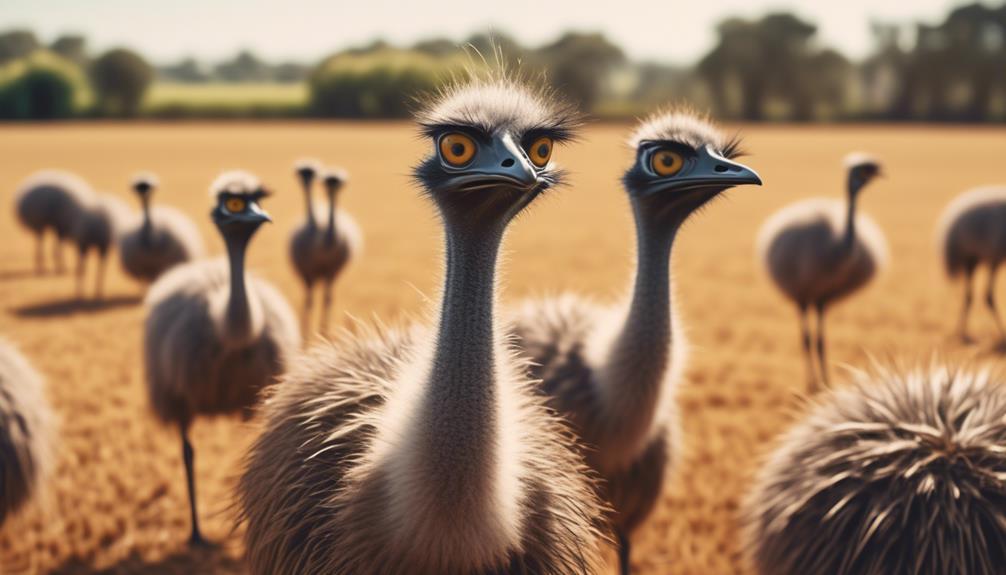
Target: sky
{"points": [[670, 31]]}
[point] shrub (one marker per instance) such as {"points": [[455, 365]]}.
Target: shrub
{"points": [[120, 78], [42, 86]]}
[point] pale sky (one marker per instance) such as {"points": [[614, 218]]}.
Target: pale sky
{"points": [[666, 31]]}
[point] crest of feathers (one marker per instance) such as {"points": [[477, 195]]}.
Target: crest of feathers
{"points": [[902, 472], [684, 125]]}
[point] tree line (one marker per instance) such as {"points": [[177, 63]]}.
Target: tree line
{"points": [[770, 68]]}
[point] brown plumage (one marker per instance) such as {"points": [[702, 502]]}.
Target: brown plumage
{"points": [[51, 200], [215, 336], [95, 229], [426, 451], [322, 246], [161, 238], [613, 369], [27, 431], [902, 472]]}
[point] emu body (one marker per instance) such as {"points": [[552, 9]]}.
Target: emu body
{"points": [[612, 370], [162, 237], [819, 251], [51, 200], [426, 450], [972, 233]]}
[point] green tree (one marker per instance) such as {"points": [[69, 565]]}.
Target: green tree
{"points": [[42, 86], [120, 79], [71, 47], [579, 63], [16, 44]]}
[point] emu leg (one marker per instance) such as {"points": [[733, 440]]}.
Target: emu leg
{"points": [[305, 319], [39, 257], [808, 352], [57, 255], [962, 324], [624, 553], [326, 310], [821, 355], [196, 538], [99, 281], [990, 300], [81, 265]]}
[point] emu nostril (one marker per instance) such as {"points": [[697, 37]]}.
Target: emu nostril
{"points": [[508, 162], [720, 168]]}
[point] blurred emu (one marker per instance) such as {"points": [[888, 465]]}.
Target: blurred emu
{"points": [[51, 200], [972, 232], [820, 250], [903, 472], [26, 431]]}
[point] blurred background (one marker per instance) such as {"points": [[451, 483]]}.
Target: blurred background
{"points": [[798, 61]]}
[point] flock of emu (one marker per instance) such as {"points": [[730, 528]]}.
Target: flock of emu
{"points": [[527, 441]]}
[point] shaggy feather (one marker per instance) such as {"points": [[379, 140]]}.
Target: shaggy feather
{"points": [[683, 125], [902, 472], [172, 239], [972, 230], [27, 431]]}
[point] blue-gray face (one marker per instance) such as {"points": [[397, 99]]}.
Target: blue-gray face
{"points": [[467, 159], [240, 210], [666, 166]]}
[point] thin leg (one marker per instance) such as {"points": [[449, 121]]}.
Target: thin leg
{"points": [[808, 353], [305, 320], [196, 539], [821, 355], [57, 254], [39, 258], [962, 325], [326, 311], [99, 287], [990, 300], [624, 553], [81, 264]]}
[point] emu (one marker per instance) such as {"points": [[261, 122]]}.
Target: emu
{"points": [[427, 450], [27, 431], [899, 472], [819, 251], [215, 336], [613, 369], [319, 254], [51, 200], [972, 232], [162, 238], [96, 228]]}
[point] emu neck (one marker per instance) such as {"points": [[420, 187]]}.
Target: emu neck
{"points": [[330, 229], [635, 368], [238, 320], [459, 411], [309, 202], [146, 229], [849, 235]]}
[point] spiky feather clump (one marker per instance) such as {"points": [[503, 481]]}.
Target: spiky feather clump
{"points": [[684, 125], [902, 472]]}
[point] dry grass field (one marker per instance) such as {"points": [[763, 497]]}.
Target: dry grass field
{"points": [[117, 502]]}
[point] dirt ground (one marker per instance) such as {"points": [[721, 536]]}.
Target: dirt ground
{"points": [[117, 502]]}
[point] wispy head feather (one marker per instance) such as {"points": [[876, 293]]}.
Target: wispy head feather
{"points": [[684, 125], [235, 182], [144, 180]]}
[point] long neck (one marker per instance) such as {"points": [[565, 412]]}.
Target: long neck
{"points": [[636, 365], [458, 414], [330, 230], [849, 236], [146, 230], [238, 320], [309, 203]]}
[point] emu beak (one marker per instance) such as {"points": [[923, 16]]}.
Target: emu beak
{"points": [[712, 169], [256, 214], [501, 163]]}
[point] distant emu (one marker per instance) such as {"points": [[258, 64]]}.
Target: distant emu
{"points": [[96, 229], [818, 251], [51, 200], [26, 431], [426, 451], [163, 237], [972, 232], [613, 369], [320, 252], [215, 336], [901, 472]]}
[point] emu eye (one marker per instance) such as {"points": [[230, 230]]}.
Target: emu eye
{"points": [[540, 151], [235, 205], [457, 149], [666, 162]]}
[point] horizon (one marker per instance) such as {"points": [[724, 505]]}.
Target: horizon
{"points": [[112, 23]]}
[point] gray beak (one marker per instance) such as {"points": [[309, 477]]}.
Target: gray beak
{"points": [[255, 213], [500, 163], [709, 169]]}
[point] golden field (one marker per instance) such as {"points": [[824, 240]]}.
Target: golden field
{"points": [[117, 501]]}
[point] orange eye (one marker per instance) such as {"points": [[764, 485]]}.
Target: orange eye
{"points": [[540, 151], [666, 162], [235, 205], [457, 149]]}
